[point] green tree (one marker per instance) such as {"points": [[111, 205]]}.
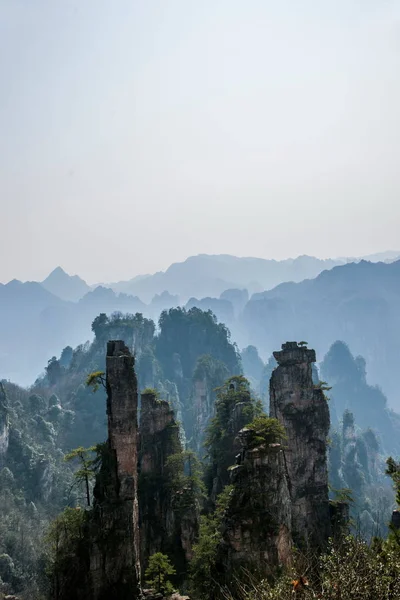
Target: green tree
{"points": [[266, 430], [184, 472], [86, 472], [66, 552], [53, 370], [95, 379], [393, 470], [158, 573], [203, 573], [99, 325]]}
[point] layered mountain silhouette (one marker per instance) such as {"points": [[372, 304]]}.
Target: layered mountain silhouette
{"points": [[208, 275], [66, 287], [357, 303]]}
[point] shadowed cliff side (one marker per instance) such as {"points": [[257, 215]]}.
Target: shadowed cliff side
{"points": [[302, 408], [167, 505]]}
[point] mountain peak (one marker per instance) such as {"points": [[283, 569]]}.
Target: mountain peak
{"points": [[65, 286], [57, 272]]}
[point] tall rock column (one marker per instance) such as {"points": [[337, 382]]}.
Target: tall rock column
{"points": [[115, 559], [168, 516], [302, 409], [257, 521], [159, 439], [4, 424]]}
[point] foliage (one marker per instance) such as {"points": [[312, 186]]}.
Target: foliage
{"points": [[186, 335], [351, 391], [66, 552], [86, 472], [203, 567], [94, 380], [235, 407], [349, 570], [355, 464], [158, 573], [35, 484], [267, 430], [184, 475], [322, 385], [393, 470], [150, 392]]}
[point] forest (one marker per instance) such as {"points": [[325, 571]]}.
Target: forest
{"points": [[208, 415]]}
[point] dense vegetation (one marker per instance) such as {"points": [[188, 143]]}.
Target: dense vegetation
{"points": [[50, 452]]}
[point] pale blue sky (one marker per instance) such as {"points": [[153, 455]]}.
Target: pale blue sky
{"points": [[135, 133]]}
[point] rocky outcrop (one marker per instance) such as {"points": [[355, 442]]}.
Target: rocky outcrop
{"points": [[159, 439], [279, 495], [203, 408], [115, 556], [395, 521], [240, 414], [164, 527], [303, 410], [340, 518], [4, 424], [257, 522]]}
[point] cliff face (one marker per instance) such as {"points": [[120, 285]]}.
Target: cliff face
{"points": [[302, 409], [280, 490], [114, 560], [257, 522], [159, 439], [163, 528], [4, 426], [203, 407]]}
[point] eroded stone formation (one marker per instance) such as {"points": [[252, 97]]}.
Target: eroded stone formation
{"points": [[115, 556], [257, 523], [159, 439], [166, 526], [4, 425], [280, 490], [302, 408], [203, 408]]}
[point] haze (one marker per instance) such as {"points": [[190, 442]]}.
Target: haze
{"points": [[136, 133]]}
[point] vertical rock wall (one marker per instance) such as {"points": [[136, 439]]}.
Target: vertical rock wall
{"points": [[303, 410], [115, 557], [203, 408], [257, 522], [159, 439], [4, 426], [165, 527]]}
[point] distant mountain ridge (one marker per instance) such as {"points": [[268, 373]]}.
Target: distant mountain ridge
{"points": [[358, 303], [355, 302], [207, 275], [67, 287]]}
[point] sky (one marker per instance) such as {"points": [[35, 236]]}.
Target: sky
{"points": [[134, 133]]}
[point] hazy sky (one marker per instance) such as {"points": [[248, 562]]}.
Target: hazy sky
{"points": [[134, 133]]}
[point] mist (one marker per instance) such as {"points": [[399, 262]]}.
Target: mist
{"points": [[135, 134]]}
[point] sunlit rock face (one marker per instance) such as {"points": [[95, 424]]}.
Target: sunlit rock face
{"points": [[115, 557], [302, 408]]}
